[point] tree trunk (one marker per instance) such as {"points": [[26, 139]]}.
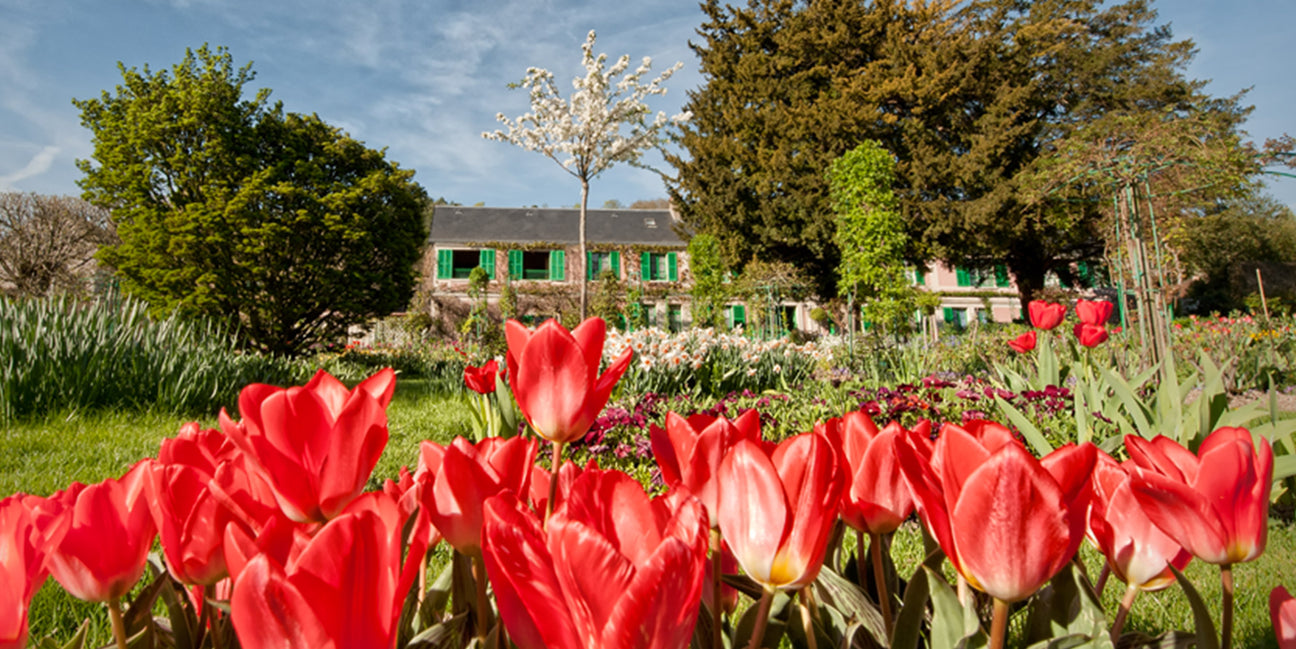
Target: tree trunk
{"points": [[583, 257]]}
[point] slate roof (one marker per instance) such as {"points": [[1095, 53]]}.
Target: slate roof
{"points": [[464, 225]]}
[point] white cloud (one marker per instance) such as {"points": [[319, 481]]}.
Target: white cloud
{"points": [[37, 165]]}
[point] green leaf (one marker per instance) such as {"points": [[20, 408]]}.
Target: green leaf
{"points": [[1028, 428], [952, 624], [1067, 607], [913, 610], [443, 635], [1205, 627], [835, 592]]}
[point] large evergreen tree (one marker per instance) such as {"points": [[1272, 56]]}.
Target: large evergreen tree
{"points": [[227, 207], [971, 97]]}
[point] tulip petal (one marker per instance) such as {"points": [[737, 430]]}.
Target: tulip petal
{"points": [[527, 591], [1183, 514], [553, 383], [1011, 526], [1282, 612], [270, 613], [754, 514], [593, 573], [929, 501], [1227, 481], [659, 609], [589, 336]]}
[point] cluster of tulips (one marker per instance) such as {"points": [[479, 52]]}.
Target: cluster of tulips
{"points": [[1090, 330], [266, 523]]}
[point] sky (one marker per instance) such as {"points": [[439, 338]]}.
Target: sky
{"points": [[424, 78]]}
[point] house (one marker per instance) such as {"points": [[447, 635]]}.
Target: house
{"points": [[535, 251]]}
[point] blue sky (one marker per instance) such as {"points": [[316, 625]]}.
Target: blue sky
{"points": [[424, 78]]}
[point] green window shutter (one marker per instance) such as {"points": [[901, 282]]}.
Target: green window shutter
{"points": [[1086, 274], [445, 258], [920, 276], [1001, 276], [515, 264], [964, 278], [645, 266], [488, 262], [616, 264], [672, 266], [557, 265], [591, 272], [948, 313]]}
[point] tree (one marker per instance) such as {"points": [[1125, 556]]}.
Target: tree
{"points": [[869, 233], [1217, 245], [48, 242], [970, 97], [583, 134], [709, 274], [228, 207]]}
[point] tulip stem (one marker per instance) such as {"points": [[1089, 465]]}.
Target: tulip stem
{"points": [[999, 625], [717, 583], [553, 479], [1126, 604], [884, 596], [1226, 621], [762, 618], [1102, 579], [803, 597], [483, 607], [118, 623]]}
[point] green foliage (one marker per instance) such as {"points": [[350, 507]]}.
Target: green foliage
{"points": [[971, 98], [709, 288], [869, 233], [1225, 245], [60, 354], [606, 303], [230, 208]]}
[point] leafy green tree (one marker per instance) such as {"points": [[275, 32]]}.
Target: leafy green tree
{"points": [[709, 290], [229, 207], [1216, 247], [870, 233], [970, 97]]}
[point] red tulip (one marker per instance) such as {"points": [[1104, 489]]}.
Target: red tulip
{"points": [[1095, 313], [345, 587], [1216, 503], [877, 498], [109, 530], [689, 451], [1282, 611], [1090, 335], [315, 445], [482, 379], [612, 569], [777, 510], [22, 569], [555, 379], [191, 519], [540, 479], [1138, 552], [1007, 521], [1023, 343], [1045, 315], [465, 476]]}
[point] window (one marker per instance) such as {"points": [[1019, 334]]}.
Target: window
{"points": [[956, 317], [737, 316], [659, 267], [596, 263], [1001, 276], [920, 276], [538, 264], [963, 276], [675, 316], [459, 264], [973, 277]]}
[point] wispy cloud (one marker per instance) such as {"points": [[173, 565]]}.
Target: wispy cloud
{"points": [[39, 164]]}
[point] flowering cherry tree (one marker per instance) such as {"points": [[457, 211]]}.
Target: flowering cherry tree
{"points": [[605, 121]]}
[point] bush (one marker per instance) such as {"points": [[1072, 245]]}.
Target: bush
{"points": [[60, 353]]}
